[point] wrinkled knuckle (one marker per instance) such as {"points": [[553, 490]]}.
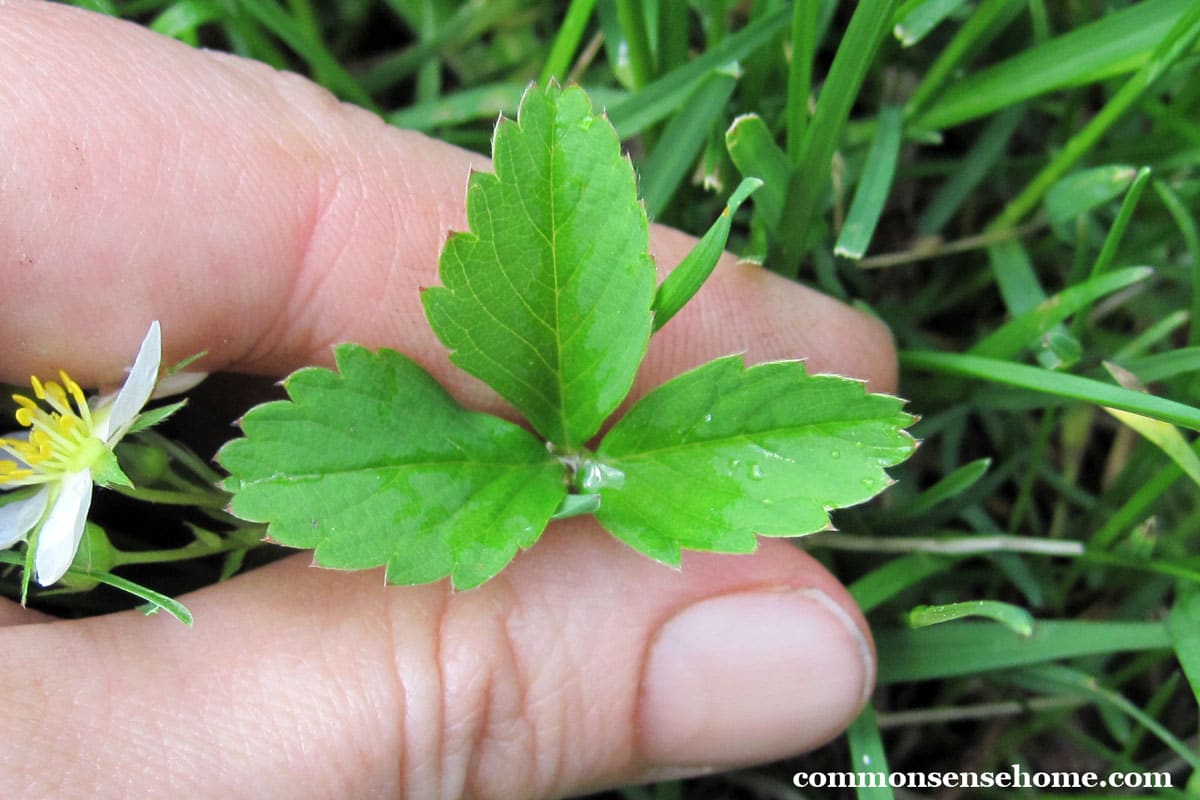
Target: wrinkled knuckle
{"points": [[489, 744]]}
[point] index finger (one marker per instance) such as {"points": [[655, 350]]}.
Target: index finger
{"points": [[263, 221]]}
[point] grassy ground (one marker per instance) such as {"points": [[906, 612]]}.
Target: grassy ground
{"points": [[1012, 185]]}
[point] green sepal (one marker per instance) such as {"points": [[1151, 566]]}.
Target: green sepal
{"points": [[107, 472], [148, 419]]}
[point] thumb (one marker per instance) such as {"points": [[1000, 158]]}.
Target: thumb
{"points": [[582, 666]]}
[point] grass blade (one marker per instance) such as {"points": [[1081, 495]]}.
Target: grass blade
{"points": [[1178, 41], [966, 648], [1161, 366], [875, 186], [693, 271], [324, 65], [972, 169], [1113, 238], [1191, 236], [566, 42], [1113, 45], [988, 21], [1058, 384], [805, 18], [684, 137], [1012, 337], [632, 17], [1184, 627], [1162, 435], [810, 179], [916, 18], [754, 152], [1082, 191], [945, 489], [867, 755], [1016, 619], [180, 20], [486, 101], [155, 599], [661, 98], [1057, 676], [884, 583]]}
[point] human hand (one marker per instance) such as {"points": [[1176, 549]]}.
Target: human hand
{"points": [[263, 222]]}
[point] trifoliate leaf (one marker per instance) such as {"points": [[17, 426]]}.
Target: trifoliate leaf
{"points": [[723, 452], [547, 298], [376, 464]]}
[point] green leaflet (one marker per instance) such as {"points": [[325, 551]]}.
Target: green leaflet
{"points": [[548, 298], [376, 464], [723, 452]]}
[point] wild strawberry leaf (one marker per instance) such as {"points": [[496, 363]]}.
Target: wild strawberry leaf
{"points": [[548, 297], [376, 464], [723, 452]]}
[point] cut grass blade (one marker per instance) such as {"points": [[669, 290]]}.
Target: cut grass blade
{"points": [[1016, 619], [682, 140], [1058, 384], [916, 18], [875, 186], [755, 154], [967, 648], [1082, 191], [810, 179]]}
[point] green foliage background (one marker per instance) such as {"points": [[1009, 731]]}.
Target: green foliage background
{"points": [[1001, 165]]}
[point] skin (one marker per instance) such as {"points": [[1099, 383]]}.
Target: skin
{"points": [[261, 220]]}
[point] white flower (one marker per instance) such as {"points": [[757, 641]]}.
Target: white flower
{"points": [[65, 451]]}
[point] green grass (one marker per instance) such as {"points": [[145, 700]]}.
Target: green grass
{"points": [[981, 188]]}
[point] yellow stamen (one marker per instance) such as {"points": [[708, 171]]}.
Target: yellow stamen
{"points": [[61, 438]]}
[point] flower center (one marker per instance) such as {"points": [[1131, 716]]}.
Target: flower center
{"points": [[61, 440]]}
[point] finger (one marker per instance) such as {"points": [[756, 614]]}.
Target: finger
{"points": [[263, 222], [13, 613], [584, 665]]}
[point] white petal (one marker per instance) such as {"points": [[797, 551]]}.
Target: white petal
{"points": [[17, 519], [63, 529], [137, 388], [178, 383]]}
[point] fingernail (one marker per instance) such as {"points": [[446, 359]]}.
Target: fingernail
{"points": [[751, 677]]}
